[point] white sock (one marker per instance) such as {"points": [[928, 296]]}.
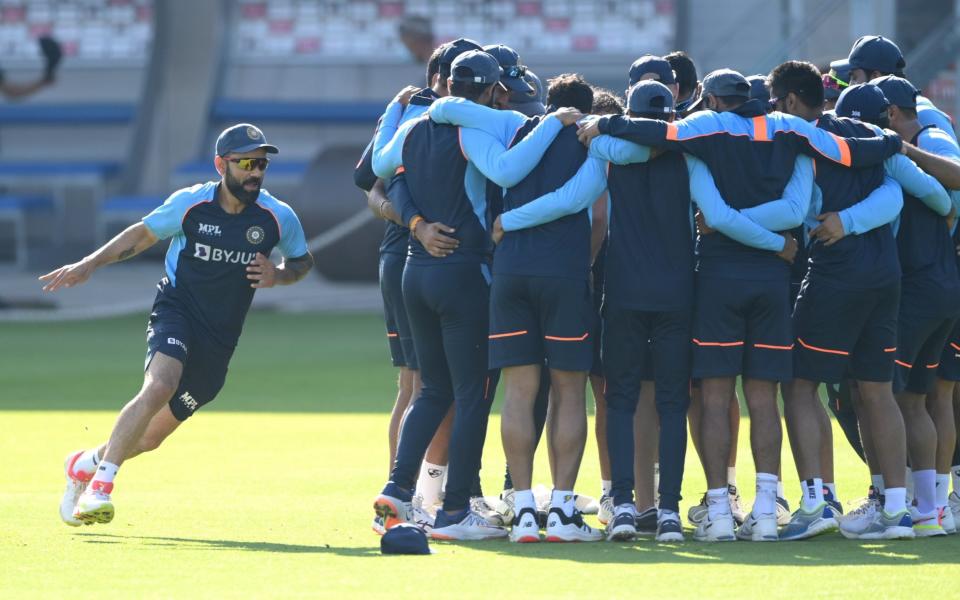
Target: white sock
{"points": [[955, 475], [718, 503], [430, 482], [563, 499], [105, 472], [766, 501], [832, 488], [731, 476], [606, 486], [943, 489], [812, 492], [877, 481], [908, 481], [88, 461], [780, 492], [896, 500], [523, 499], [925, 483], [656, 481]]}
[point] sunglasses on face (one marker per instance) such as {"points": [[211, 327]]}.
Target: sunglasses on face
{"points": [[249, 164], [833, 82]]}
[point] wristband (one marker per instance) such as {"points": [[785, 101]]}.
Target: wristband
{"points": [[414, 222]]}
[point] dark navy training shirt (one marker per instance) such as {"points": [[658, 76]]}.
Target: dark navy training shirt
{"points": [[210, 249]]}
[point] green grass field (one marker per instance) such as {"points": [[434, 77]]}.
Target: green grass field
{"points": [[266, 493]]}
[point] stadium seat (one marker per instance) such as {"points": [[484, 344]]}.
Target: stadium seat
{"points": [[125, 210], [15, 210], [101, 113]]}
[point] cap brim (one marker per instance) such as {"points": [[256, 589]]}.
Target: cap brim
{"points": [[530, 109], [251, 147], [516, 84]]}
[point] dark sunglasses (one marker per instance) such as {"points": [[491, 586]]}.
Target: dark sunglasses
{"points": [[516, 71], [249, 164]]}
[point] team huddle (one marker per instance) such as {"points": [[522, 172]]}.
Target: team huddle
{"points": [[793, 230]]}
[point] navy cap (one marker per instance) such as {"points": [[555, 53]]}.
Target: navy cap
{"points": [[650, 96], [649, 63], [899, 91], [864, 101], [242, 137], [758, 88], [529, 103], [722, 82], [455, 48], [876, 53], [404, 538], [475, 66], [513, 71]]}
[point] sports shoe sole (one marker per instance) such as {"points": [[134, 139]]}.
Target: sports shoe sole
{"points": [[673, 536], [452, 537], [101, 514], [528, 538], [622, 535], [387, 510], [929, 531], [556, 539], [890, 533]]}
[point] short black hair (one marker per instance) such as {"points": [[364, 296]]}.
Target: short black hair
{"points": [[468, 89], [800, 78], [606, 102], [570, 89], [685, 70], [433, 64]]}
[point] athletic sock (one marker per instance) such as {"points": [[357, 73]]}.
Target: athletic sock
{"points": [[564, 500], [523, 499], [925, 490], [104, 475], [606, 486], [732, 476], [955, 475], [780, 492], [812, 493], [718, 503], [943, 489], [87, 462], [430, 483], [766, 501], [895, 500], [832, 488], [877, 481]]}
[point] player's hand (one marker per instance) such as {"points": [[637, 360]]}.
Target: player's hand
{"points": [[435, 238], [567, 115], [587, 132], [830, 230], [790, 248], [67, 276], [497, 233], [262, 272], [702, 227], [404, 95]]}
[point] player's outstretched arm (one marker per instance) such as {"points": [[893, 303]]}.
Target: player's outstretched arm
{"points": [[129, 243], [945, 170]]}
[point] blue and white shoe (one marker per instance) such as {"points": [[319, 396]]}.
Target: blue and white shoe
{"points": [[465, 525], [833, 502], [669, 528], [605, 514], [759, 528], [885, 526], [394, 505], [719, 529], [623, 527], [807, 524], [783, 511]]}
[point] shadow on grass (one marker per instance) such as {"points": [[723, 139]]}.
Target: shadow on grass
{"points": [[202, 543]]}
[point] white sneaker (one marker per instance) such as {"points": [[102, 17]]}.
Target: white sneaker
{"points": [[736, 508], [479, 505], [955, 505], [470, 527], [420, 516], [698, 512], [719, 529], [855, 522], [623, 526], [605, 514], [76, 484], [526, 528], [587, 505], [669, 528], [759, 528], [561, 528], [94, 505], [377, 525], [783, 511], [502, 509], [927, 524], [948, 521]]}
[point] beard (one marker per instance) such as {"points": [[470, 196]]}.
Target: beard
{"points": [[238, 189]]}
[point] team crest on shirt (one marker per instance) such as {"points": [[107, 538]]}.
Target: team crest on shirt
{"points": [[255, 234], [252, 133]]}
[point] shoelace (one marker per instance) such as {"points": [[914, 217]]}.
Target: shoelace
{"points": [[866, 506], [475, 520]]}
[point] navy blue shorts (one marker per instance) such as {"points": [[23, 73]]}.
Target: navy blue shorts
{"points": [[596, 368], [394, 312], [533, 319], [837, 328], [920, 345], [949, 368], [205, 361], [742, 327]]}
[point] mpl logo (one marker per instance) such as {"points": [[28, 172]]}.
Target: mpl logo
{"points": [[210, 229], [188, 401]]}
